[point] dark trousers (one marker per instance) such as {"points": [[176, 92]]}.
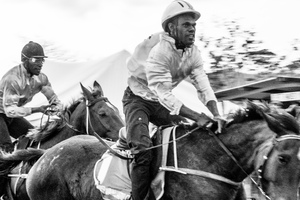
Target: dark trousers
{"points": [[138, 113], [14, 127]]}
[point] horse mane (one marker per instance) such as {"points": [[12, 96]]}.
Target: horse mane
{"points": [[277, 119], [42, 133], [73, 105]]}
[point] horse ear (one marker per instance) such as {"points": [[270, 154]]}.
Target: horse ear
{"points": [[278, 120], [98, 89], [86, 93], [273, 124], [294, 110], [282, 123]]}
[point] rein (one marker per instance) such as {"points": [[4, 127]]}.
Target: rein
{"points": [[194, 171], [207, 174], [191, 171], [88, 104], [266, 157], [88, 123], [236, 162]]}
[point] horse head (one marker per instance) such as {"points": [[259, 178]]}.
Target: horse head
{"points": [[103, 117], [280, 170], [238, 152]]}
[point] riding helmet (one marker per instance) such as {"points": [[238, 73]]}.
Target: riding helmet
{"points": [[32, 50], [176, 8]]}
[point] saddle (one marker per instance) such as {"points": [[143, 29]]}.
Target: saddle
{"points": [[112, 173], [34, 137]]}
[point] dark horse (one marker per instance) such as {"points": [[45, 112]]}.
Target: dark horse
{"points": [[65, 171], [93, 107], [282, 161]]}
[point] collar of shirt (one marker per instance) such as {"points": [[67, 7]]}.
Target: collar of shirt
{"points": [[168, 38]]}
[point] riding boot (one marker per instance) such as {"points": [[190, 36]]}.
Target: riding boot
{"points": [[140, 175]]}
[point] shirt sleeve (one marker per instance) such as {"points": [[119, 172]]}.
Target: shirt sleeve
{"points": [[200, 81], [49, 93], [12, 99], [160, 81]]}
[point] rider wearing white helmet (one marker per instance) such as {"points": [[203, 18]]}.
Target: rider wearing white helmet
{"points": [[171, 13], [158, 65]]}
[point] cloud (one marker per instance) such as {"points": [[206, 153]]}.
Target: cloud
{"points": [[86, 29]]}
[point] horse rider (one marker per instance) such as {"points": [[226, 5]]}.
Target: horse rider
{"points": [[17, 87], [158, 65]]}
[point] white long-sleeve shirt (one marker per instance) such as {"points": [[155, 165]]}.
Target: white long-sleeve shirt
{"points": [[157, 66], [17, 88]]}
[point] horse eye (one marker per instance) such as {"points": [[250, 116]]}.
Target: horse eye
{"points": [[102, 114], [283, 159]]}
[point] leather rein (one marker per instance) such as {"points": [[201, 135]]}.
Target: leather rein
{"points": [[103, 141], [204, 173]]}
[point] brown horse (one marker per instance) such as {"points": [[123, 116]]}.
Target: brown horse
{"points": [[103, 117], [65, 171]]}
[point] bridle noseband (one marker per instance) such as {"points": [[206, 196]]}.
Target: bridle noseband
{"points": [[262, 167]]}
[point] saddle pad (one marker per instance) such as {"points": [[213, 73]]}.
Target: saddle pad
{"points": [[158, 183], [112, 178]]}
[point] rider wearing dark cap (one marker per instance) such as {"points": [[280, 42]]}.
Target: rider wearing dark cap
{"points": [[17, 87]]}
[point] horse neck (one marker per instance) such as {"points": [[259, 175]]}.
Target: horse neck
{"points": [[202, 152], [78, 116], [59, 135], [248, 142]]}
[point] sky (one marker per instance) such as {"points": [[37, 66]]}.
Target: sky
{"points": [[75, 30], [87, 30]]}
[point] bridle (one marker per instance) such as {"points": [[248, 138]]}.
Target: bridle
{"points": [[103, 141], [204, 173], [262, 167], [88, 104], [88, 124]]}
